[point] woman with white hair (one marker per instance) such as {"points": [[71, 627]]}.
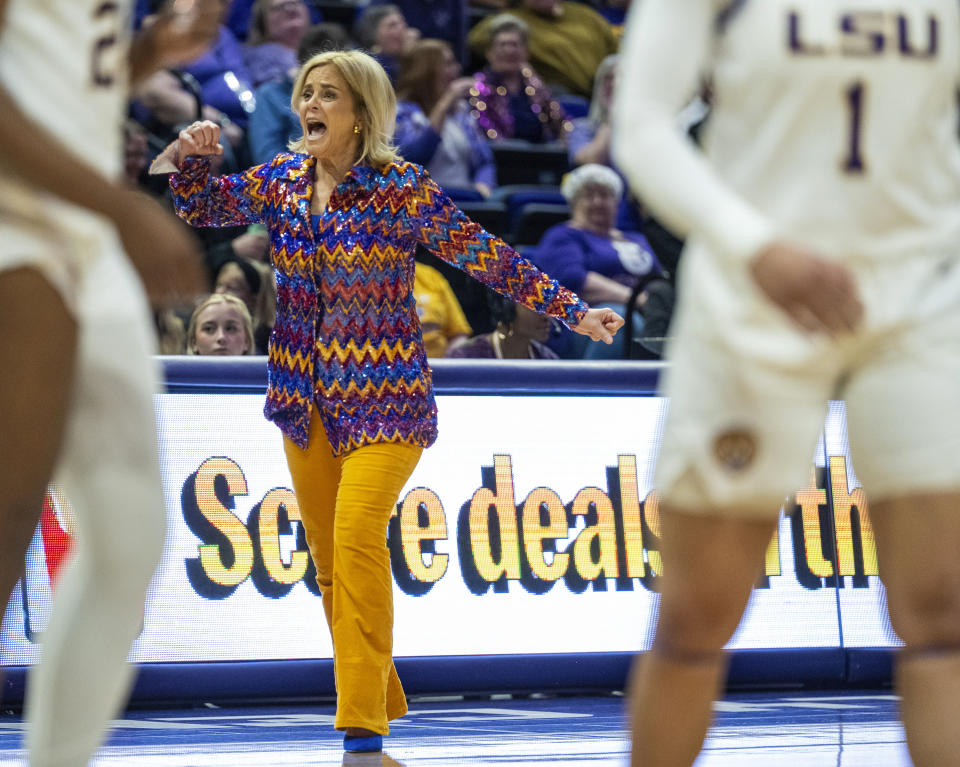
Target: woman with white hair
{"points": [[591, 257]]}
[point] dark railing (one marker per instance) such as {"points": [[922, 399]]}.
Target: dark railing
{"points": [[450, 376]]}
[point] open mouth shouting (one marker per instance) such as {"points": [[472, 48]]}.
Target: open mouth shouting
{"points": [[316, 129]]}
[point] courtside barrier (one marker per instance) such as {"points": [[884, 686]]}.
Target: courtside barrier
{"points": [[524, 549]]}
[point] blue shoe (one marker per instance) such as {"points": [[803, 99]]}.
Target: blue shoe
{"points": [[361, 744]]}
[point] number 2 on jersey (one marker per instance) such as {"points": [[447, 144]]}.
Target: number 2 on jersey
{"points": [[855, 98], [103, 68]]}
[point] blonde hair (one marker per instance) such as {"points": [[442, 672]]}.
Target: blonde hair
{"points": [[376, 103], [221, 298]]}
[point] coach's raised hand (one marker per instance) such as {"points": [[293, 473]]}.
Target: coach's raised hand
{"points": [[196, 140]]}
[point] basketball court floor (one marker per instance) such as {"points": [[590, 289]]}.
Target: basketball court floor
{"points": [[788, 729]]}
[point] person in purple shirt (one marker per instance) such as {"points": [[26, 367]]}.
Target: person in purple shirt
{"points": [[509, 99], [440, 19], [435, 127], [382, 31], [223, 77], [241, 11], [591, 257], [276, 29]]}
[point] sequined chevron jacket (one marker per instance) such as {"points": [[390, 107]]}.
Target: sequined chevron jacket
{"points": [[347, 334]]}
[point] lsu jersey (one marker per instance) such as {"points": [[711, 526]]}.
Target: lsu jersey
{"points": [[833, 123], [65, 63]]}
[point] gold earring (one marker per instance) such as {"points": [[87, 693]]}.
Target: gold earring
{"points": [[356, 129]]}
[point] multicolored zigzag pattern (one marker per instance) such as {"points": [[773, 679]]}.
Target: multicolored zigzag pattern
{"points": [[347, 334]]}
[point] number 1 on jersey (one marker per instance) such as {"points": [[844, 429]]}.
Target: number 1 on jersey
{"points": [[855, 96]]}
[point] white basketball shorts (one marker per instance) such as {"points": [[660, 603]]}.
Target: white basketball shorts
{"points": [[748, 390]]}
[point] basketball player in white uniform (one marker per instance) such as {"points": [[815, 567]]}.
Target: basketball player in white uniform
{"points": [[823, 260], [75, 342]]}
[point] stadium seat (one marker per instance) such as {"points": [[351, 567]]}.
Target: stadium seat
{"points": [[535, 219], [520, 162], [491, 215], [460, 194], [515, 197]]}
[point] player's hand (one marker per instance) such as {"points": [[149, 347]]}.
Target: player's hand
{"points": [[163, 250], [600, 325], [184, 29], [818, 295]]}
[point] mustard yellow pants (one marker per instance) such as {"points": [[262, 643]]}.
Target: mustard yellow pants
{"points": [[345, 505]]}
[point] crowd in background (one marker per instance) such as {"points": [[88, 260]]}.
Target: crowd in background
{"points": [[486, 89]]}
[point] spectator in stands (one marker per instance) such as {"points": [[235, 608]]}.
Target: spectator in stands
{"points": [[590, 140], [442, 320], [167, 324], [135, 153], [225, 83], [435, 127], [276, 30], [383, 31], [171, 334], [520, 334], [250, 282], [590, 256], [238, 17], [168, 100], [508, 98], [171, 98], [220, 325], [239, 278], [213, 87], [273, 124], [438, 19], [567, 41]]}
